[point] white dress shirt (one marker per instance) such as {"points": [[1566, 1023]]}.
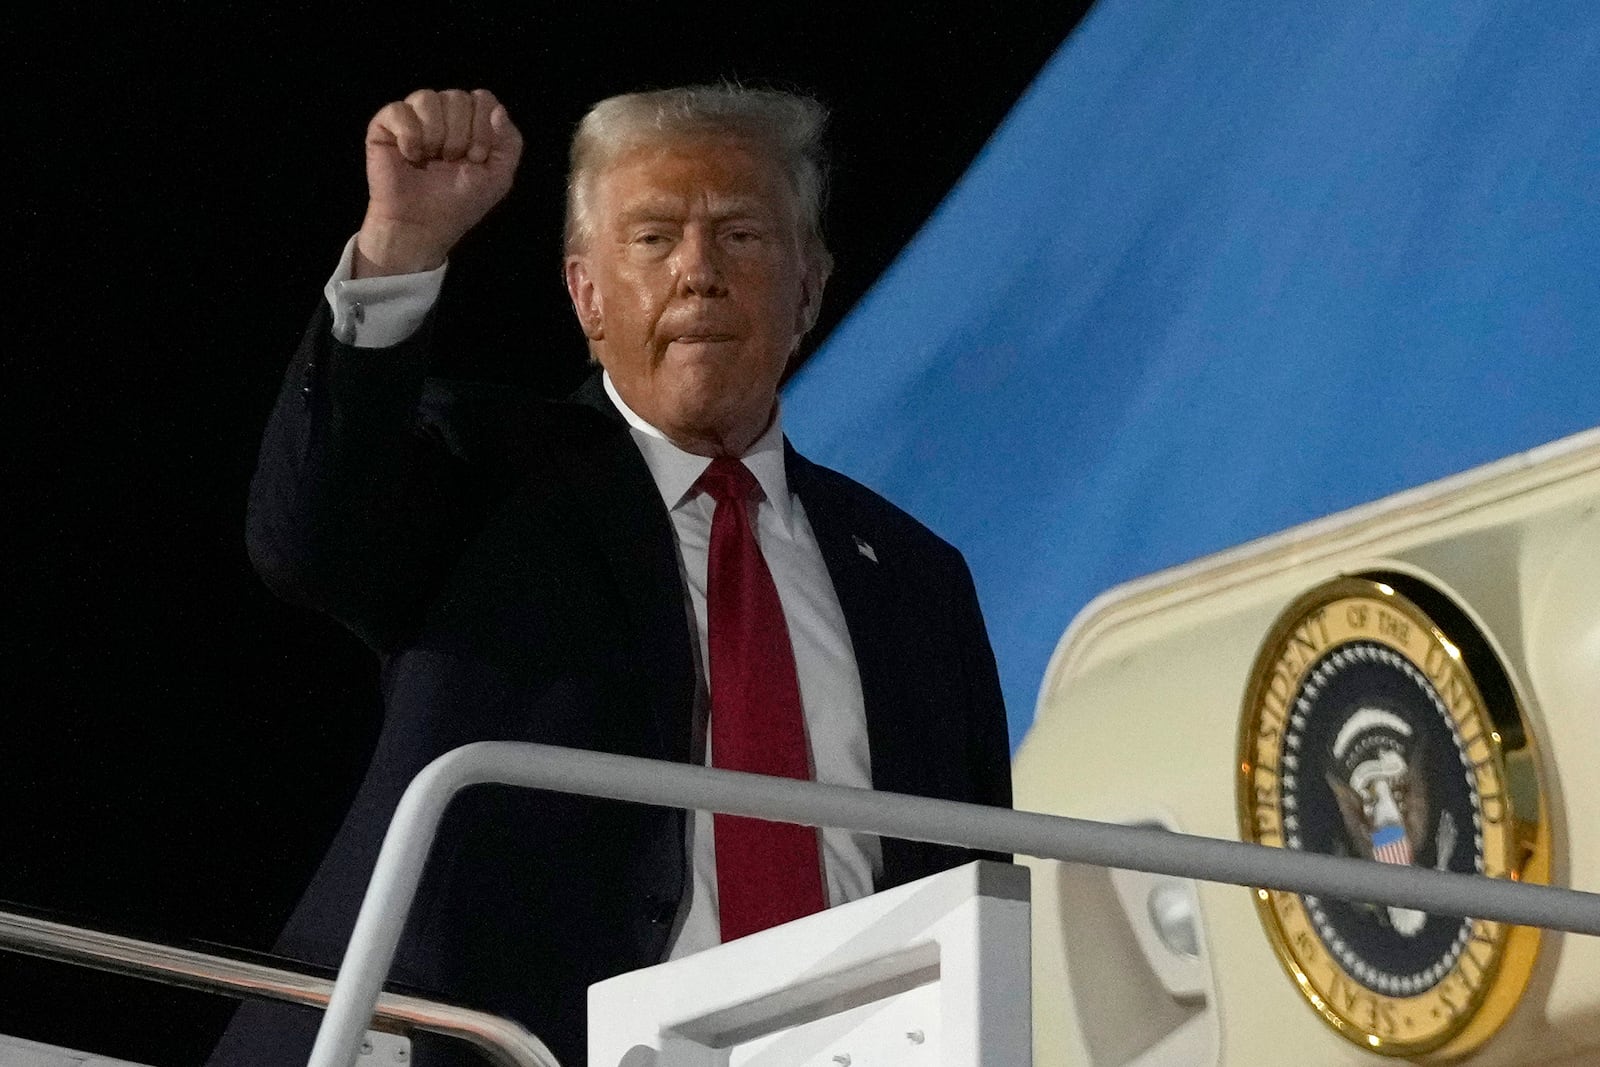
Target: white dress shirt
{"points": [[378, 312]]}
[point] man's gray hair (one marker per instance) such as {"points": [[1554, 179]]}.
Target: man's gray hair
{"points": [[787, 125]]}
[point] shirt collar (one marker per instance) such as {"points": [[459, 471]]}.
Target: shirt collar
{"points": [[675, 471]]}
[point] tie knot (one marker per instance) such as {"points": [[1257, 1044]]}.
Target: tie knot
{"points": [[728, 479]]}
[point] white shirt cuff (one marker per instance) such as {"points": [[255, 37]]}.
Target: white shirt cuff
{"points": [[379, 312]]}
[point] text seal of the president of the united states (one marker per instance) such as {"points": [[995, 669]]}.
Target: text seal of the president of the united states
{"points": [[1378, 724]]}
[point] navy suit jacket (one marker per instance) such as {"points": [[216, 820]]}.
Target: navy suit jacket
{"points": [[510, 561]]}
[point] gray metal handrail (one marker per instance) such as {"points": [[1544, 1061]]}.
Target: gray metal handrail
{"points": [[504, 1042], [597, 774]]}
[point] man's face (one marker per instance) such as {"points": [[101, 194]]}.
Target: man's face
{"points": [[695, 289]]}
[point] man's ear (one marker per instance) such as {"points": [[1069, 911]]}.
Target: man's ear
{"points": [[813, 279], [585, 297]]}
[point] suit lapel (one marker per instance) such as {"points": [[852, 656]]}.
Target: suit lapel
{"points": [[622, 509], [866, 588]]}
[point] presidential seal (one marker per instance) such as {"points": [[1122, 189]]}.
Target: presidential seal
{"points": [[1378, 725]]}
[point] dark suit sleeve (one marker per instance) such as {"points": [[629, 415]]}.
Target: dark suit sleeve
{"points": [[961, 741], [354, 509], [988, 738]]}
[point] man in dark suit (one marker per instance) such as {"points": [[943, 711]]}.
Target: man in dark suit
{"points": [[539, 571]]}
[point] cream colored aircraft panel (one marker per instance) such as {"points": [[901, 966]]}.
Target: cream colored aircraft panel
{"points": [[1140, 720]]}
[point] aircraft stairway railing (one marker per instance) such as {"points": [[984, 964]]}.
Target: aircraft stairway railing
{"points": [[357, 998], [500, 1041]]}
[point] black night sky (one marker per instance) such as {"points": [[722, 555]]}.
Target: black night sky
{"points": [[177, 747]]}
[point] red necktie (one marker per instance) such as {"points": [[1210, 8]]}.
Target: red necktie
{"points": [[767, 873]]}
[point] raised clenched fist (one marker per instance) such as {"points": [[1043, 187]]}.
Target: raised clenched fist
{"points": [[436, 163]]}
